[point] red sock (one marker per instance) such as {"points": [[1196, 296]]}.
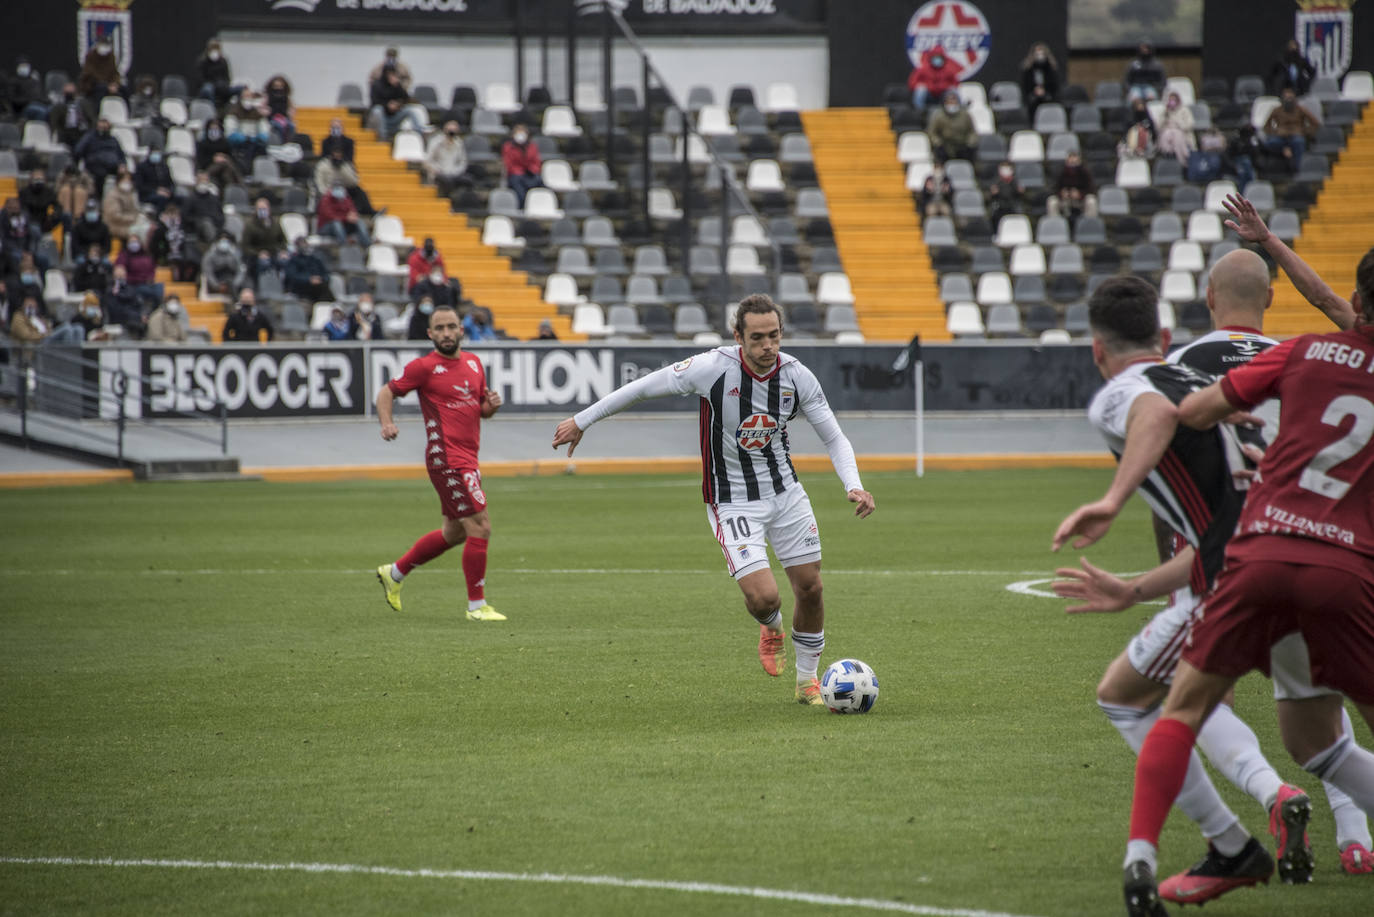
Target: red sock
{"points": [[475, 567], [426, 549], [1159, 773]]}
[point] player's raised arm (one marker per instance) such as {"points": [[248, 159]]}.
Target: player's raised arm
{"points": [[668, 380]]}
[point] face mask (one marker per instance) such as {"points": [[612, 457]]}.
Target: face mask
{"points": [[263, 213], [426, 308], [1041, 56], [102, 49], [245, 307], [173, 307], [436, 277], [205, 188], [92, 217], [451, 133], [336, 132], [951, 108], [1288, 104], [214, 133], [520, 137], [337, 193], [1171, 104], [69, 96], [104, 131], [147, 90], [23, 70], [429, 251], [29, 277], [93, 312], [1006, 173], [213, 55], [126, 186], [224, 245], [937, 61], [135, 247], [36, 183], [155, 158], [367, 309]]}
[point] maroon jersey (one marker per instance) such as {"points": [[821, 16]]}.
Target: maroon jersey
{"points": [[1316, 483], [451, 392]]}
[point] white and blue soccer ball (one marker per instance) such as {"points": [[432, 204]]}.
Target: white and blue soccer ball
{"points": [[849, 686]]}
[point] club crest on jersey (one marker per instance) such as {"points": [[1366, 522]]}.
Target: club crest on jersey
{"points": [[787, 400], [440, 370], [472, 365], [682, 365], [756, 431]]}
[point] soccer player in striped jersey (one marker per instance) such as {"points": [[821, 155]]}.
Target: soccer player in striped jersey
{"points": [[748, 393]]}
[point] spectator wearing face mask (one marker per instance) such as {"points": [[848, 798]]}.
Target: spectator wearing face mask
{"points": [[391, 104], [122, 304], [333, 169], [521, 160], [119, 206], [172, 245], [29, 324], [222, 265], [1141, 135], [99, 151], [1242, 150], [363, 323], [93, 271], [90, 319], [1288, 129], [90, 230], [932, 79], [952, 134], [337, 140], [546, 332], [203, 213], [261, 231], [305, 274], [1145, 75], [30, 280], [423, 261], [419, 320], [437, 289], [141, 269], [262, 265], [446, 163], [27, 99], [1291, 71], [153, 181], [338, 326], [216, 85], [74, 190], [1176, 134], [1039, 77], [100, 71], [247, 323], [18, 234], [71, 116], [392, 59], [1075, 190], [281, 111], [164, 324], [337, 217], [936, 193], [144, 104], [215, 156], [1006, 194], [39, 200]]}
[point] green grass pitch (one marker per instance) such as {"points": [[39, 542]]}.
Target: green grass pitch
{"points": [[208, 673]]}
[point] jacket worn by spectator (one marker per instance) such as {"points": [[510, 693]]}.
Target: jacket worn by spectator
{"points": [[121, 306], [331, 143], [244, 324], [119, 209], [87, 232], [100, 152], [421, 263], [520, 158], [40, 202], [329, 173], [141, 264], [333, 209], [447, 158], [1289, 122], [262, 235], [149, 176], [952, 131], [164, 327], [71, 118], [221, 267], [92, 275], [936, 80], [299, 268]]}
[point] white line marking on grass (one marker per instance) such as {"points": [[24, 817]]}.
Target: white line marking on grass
{"points": [[710, 888], [571, 571], [1027, 587]]}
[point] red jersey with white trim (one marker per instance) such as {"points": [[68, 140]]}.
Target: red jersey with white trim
{"points": [[451, 392], [1315, 489]]}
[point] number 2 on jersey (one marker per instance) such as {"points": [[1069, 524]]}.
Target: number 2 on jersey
{"points": [[1314, 477]]}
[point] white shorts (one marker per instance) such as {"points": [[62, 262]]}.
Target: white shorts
{"points": [[1291, 670], [783, 520], [1154, 652]]}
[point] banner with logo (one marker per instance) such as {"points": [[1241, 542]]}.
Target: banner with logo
{"points": [[1325, 31]]}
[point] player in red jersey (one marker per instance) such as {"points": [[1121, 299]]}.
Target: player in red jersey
{"points": [[454, 399], [1302, 559]]}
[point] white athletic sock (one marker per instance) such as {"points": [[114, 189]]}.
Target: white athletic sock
{"points": [[808, 648], [1233, 748], [774, 621], [1141, 850], [1198, 799], [1349, 767], [474, 604], [1352, 827], [397, 575]]}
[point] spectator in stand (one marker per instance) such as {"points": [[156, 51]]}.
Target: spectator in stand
{"points": [[39, 201], [437, 290], [477, 325], [446, 164], [932, 79], [74, 190], [144, 104], [306, 275], [262, 233], [30, 280], [222, 266], [90, 319], [1287, 131], [100, 153], [164, 324], [1176, 129], [521, 159], [153, 181], [335, 216], [215, 156], [392, 59], [422, 261], [29, 325], [119, 207], [141, 270], [204, 214], [363, 323], [1145, 76], [334, 169], [1242, 150], [121, 304], [71, 117], [91, 229], [337, 140], [1006, 194], [281, 112], [28, 100], [1075, 190], [392, 103], [9, 305], [936, 193], [1291, 71], [100, 74], [215, 83], [338, 326], [952, 134], [546, 332], [18, 234], [246, 323], [93, 271], [1139, 140], [173, 246], [419, 320], [1039, 77]]}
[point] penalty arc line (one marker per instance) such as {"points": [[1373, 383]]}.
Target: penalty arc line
{"points": [[871, 904]]}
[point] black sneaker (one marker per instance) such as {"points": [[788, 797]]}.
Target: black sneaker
{"points": [[1142, 898], [1215, 875]]}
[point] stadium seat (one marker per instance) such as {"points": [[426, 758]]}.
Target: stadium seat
{"points": [[1165, 226], [1060, 146], [690, 319], [1146, 259], [780, 97], [955, 287], [811, 204], [1076, 319], [1285, 224], [542, 204], [1004, 319], [573, 261], [381, 259], [1108, 94], [1013, 229], [408, 146], [1217, 192], [1178, 286], [1085, 118], [794, 148], [742, 259], [964, 319], [1026, 146], [1185, 199], [1052, 230], [982, 120], [598, 231], [916, 174], [389, 230], [991, 148], [714, 120], [500, 98], [764, 175], [623, 319], [1133, 173], [1054, 336], [610, 260], [1183, 86], [994, 288], [1205, 227], [589, 319], [1358, 86], [1186, 255], [1260, 110], [987, 258], [746, 230], [1004, 95], [1027, 259], [833, 287], [1167, 316], [1066, 259], [642, 290], [1050, 118], [559, 121], [662, 206], [839, 319], [913, 146], [557, 175], [1028, 288]]}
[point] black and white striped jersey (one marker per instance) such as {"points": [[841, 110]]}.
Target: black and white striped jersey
{"points": [[743, 421]]}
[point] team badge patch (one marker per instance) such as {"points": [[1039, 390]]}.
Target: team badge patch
{"points": [[786, 400], [756, 432], [681, 365]]}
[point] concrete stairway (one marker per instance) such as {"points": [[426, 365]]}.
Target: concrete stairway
{"points": [[487, 276], [876, 230], [1338, 230]]}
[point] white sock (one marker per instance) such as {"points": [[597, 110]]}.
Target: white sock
{"points": [[1141, 850], [474, 604], [1352, 827], [1349, 767], [774, 621], [1233, 748], [1198, 799], [396, 574], [808, 648]]}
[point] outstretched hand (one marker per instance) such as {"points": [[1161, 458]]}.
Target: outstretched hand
{"points": [[569, 433], [1100, 591], [865, 501], [1089, 522], [1245, 219]]}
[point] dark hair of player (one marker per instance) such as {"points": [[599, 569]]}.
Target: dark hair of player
{"points": [[1364, 284], [756, 304], [438, 309], [1124, 314]]}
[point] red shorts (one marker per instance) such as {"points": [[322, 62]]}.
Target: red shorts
{"points": [[460, 491], [1257, 602]]}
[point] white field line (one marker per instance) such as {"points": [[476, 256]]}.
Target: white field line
{"points": [[710, 888], [569, 571]]}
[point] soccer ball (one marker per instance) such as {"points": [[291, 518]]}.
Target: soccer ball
{"points": [[849, 686]]}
